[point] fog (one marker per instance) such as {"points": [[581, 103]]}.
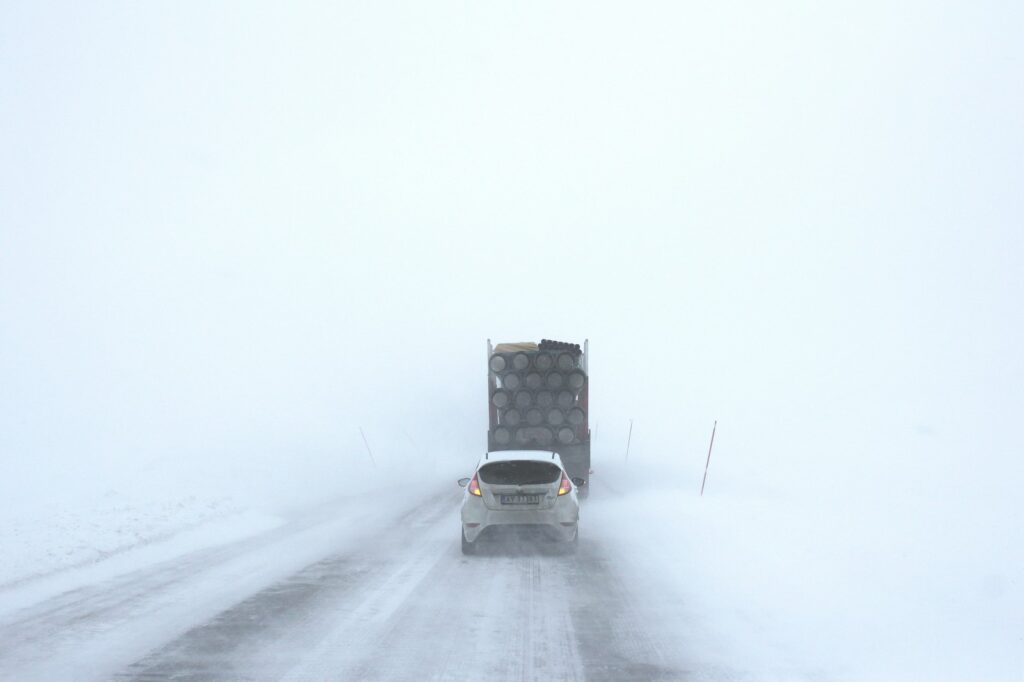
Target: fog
{"points": [[231, 237]]}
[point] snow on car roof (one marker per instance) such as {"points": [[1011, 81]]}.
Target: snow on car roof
{"points": [[505, 455]]}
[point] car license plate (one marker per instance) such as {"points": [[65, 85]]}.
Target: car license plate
{"points": [[520, 499]]}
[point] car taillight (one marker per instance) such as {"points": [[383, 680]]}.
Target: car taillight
{"points": [[564, 487], [474, 487]]}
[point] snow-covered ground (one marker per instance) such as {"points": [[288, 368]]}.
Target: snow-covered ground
{"points": [[823, 587], [737, 585], [59, 520], [64, 536], [90, 620]]}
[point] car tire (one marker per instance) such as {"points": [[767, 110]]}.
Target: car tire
{"points": [[468, 548], [573, 545]]}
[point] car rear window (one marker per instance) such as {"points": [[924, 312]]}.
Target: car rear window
{"points": [[525, 472]]}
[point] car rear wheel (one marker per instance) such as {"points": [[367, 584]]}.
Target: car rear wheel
{"points": [[573, 545], [467, 546]]}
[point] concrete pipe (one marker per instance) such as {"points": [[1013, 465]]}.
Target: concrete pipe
{"points": [[498, 363], [534, 417], [512, 417], [565, 435], [566, 362], [523, 400], [565, 399], [520, 361], [543, 362], [545, 399], [502, 436], [555, 417], [554, 380], [577, 416], [534, 381], [499, 398], [576, 380], [511, 381]]}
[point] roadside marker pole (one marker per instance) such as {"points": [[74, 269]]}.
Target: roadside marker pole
{"points": [[368, 450], [706, 464], [629, 438]]}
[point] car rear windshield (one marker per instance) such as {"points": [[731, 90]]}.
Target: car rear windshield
{"points": [[525, 472]]}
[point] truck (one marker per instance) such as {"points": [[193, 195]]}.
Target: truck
{"points": [[538, 398]]}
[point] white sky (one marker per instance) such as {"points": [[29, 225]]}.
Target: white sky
{"points": [[251, 228]]}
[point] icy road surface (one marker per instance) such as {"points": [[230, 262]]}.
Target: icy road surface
{"points": [[323, 598]]}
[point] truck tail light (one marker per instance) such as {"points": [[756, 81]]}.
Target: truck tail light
{"points": [[474, 487], [563, 488]]}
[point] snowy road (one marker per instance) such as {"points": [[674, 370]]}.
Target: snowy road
{"points": [[401, 604]]}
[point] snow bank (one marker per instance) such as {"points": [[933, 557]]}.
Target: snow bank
{"points": [[64, 536], [64, 529], [787, 586]]}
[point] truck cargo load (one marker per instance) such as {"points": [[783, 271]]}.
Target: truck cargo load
{"points": [[538, 399]]}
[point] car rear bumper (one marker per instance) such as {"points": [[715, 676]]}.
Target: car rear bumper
{"points": [[526, 533], [558, 523]]}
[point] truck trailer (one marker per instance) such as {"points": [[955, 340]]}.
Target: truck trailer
{"points": [[538, 398]]}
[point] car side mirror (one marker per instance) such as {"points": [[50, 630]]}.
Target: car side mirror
{"points": [[578, 482], [463, 482]]}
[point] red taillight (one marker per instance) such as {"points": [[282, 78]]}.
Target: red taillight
{"points": [[474, 487], [564, 487]]}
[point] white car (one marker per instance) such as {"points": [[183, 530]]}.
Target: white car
{"points": [[520, 490]]}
